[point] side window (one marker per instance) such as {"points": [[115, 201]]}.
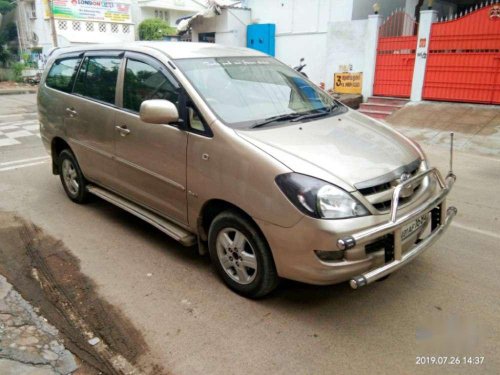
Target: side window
{"points": [[196, 124], [143, 82], [97, 78], [62, 74]]}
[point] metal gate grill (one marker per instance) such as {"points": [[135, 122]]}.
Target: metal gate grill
{"points": [[395, 56], [464, 58]]}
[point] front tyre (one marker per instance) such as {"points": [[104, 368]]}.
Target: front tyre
{"points": [[241, 255], [72, 179]]}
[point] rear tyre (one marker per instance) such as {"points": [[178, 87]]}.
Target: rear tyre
{"points": [[72, 179], [241, 256]]}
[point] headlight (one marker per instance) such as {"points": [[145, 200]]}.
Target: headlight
{"points": [[318, 198]]}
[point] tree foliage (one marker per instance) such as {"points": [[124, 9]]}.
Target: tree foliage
{"points": [[8, 45], [154, 29], [6, 6]]}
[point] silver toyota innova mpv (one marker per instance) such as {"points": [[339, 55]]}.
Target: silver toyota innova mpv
{"points": [[233, 151]]}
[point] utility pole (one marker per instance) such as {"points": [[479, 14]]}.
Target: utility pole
{"points": [[52, 23]]}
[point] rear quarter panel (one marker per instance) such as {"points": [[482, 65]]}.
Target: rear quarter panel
{"points": [[51, 113]]}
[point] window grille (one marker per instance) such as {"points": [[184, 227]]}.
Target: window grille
{"points": [[62, 25]]}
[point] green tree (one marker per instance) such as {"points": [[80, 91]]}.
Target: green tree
{"points": [[8, 44], [6, 6], [18, 68], [154, 29]]}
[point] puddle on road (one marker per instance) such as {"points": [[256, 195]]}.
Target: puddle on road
{"points": [[48, 276]]}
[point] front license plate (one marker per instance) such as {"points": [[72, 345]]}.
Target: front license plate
{"points": [[412, 227]]}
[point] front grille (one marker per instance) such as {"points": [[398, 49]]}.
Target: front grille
{"points": [[386, 205], [375, 189], [379, 191]]}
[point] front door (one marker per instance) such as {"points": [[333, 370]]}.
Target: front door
{"points": [[151, 158]]}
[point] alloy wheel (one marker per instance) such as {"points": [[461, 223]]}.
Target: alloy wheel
{"points": [[236, 255], [70, 177]]}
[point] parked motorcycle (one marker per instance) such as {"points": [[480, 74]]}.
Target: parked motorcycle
{"points": [[33, 80], [301, 66]]}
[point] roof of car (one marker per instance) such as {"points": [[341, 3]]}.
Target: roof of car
{"points": [[174, 50]]}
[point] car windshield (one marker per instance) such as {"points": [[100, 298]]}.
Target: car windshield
{"points": [[248, 91]]}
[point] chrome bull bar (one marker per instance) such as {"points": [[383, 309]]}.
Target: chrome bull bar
{"points": [[395, 225]]}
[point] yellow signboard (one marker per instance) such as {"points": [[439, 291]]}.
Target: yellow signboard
{"points": [[347, 83]]}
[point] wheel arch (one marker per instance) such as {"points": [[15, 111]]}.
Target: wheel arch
{"points": [[214, 207], [57, 145]]}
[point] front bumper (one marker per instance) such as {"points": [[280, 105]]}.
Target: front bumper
{"points": [[441, 219], [294, 248]]}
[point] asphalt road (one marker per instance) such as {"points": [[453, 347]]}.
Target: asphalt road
{"points": [[445, 303]]}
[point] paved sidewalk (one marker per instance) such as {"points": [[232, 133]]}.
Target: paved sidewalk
{"points": [[28, 344], [476, 127], [10, 88]]}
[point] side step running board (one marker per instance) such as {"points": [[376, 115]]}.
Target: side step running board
{"points": [[178, 233]]}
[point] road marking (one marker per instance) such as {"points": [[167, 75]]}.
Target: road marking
{"points": [[22, 166], [476, 230], [8, 142], [24, 160], [19, 114], [4, 125], [23, 163]]}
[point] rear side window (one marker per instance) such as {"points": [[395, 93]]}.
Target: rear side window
{"points": [[97, 78], [144, 82], [62, 74]]}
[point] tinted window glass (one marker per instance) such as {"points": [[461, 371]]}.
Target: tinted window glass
{"points": [[62, 74], [97, 78], [143, 82]]}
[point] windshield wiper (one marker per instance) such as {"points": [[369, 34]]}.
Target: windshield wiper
{"points": [[324, 111], [284, 117]]}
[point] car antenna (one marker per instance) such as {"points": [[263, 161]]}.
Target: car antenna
{"points": [[451, 154]]}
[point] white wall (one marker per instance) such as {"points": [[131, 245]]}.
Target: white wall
{"points": [[304, 24], [41, 27], [236, 22], [83, 36], [345, 46], [291, 48], [230, 27]]}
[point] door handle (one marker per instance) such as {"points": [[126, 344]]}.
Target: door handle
{"points": [[123, 130], [71, 112]]}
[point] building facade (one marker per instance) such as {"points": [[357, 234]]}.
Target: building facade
{"points": [[378, 47], [330, 34], [48, 23], [168, 10]]}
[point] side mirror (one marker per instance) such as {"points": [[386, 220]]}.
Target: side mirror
{"points": [[158, 111]]}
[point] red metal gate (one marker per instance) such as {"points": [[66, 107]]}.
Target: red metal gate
{"points": [[464, 58], [395, 56]]}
